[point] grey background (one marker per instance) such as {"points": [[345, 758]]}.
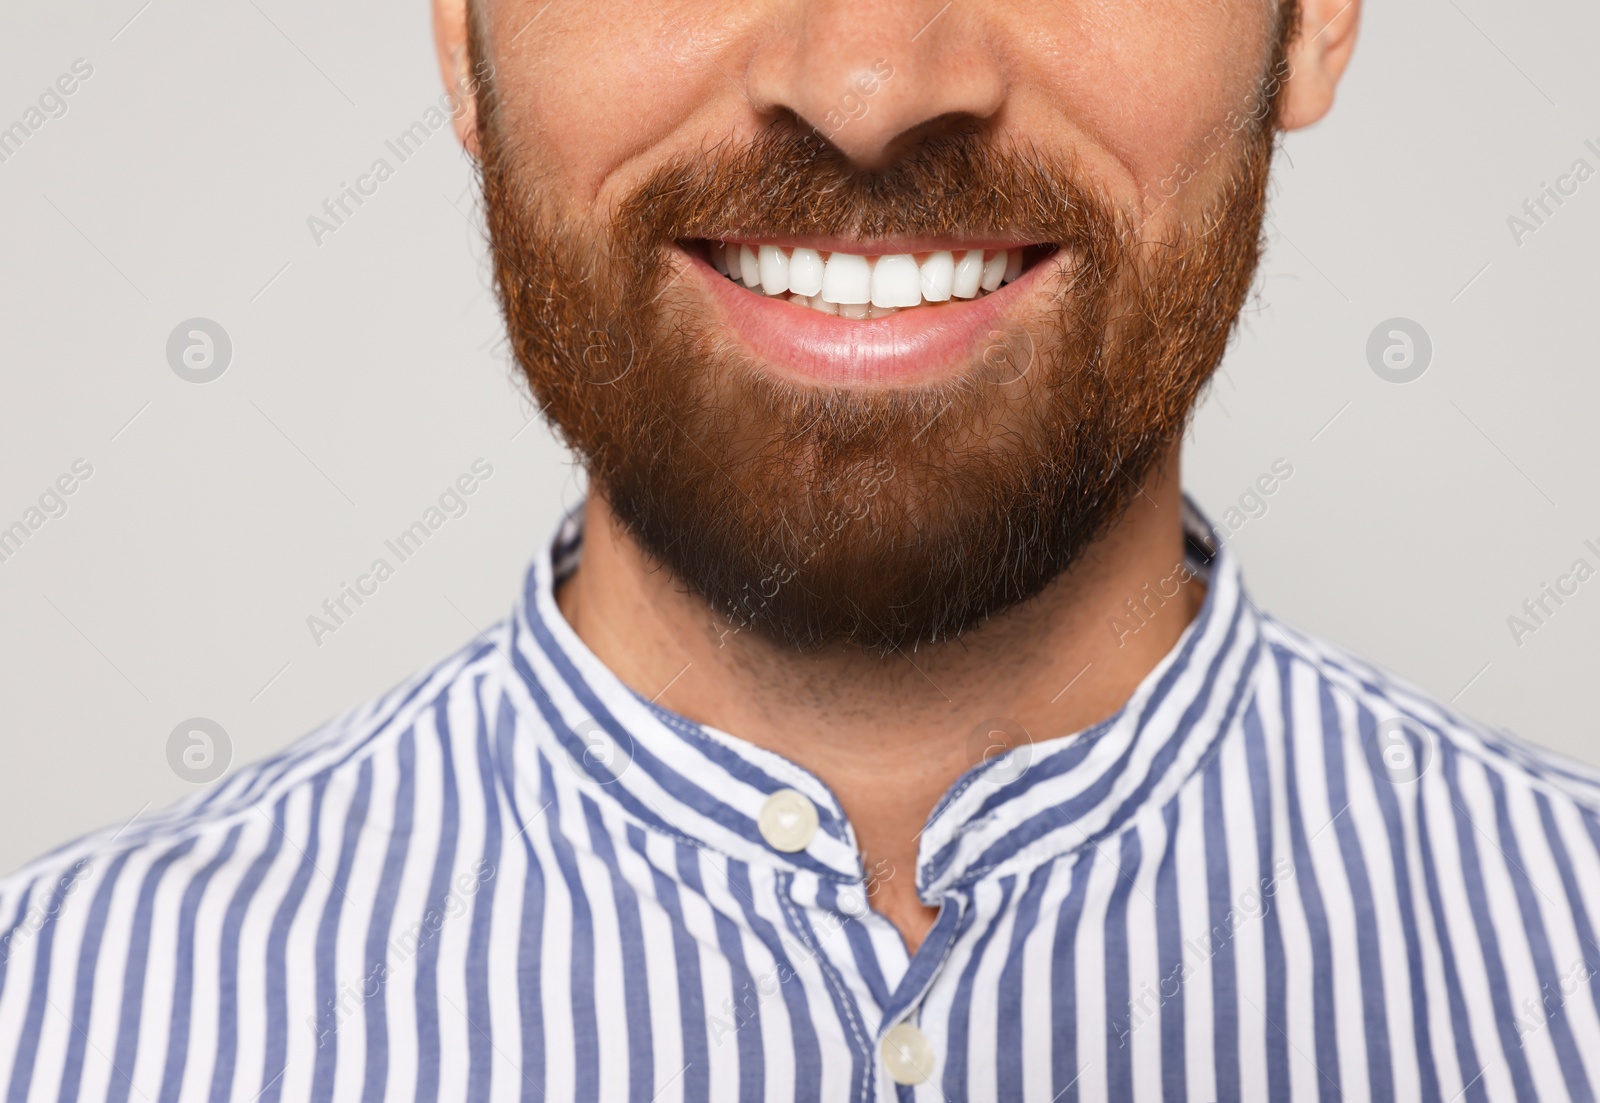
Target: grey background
{"points": [[369, 371]]}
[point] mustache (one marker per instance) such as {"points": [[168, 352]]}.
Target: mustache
{"points": [[791, 181]]}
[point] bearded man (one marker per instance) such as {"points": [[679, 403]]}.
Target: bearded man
{"points": [[886, 724]]}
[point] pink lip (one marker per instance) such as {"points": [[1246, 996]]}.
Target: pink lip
{"points": [[878, 247], [918, 345]]}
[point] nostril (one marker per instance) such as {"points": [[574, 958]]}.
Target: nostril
{"points": [[878, 88]]}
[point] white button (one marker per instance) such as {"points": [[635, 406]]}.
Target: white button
{"points": [[788, 821], [907, 1054]]}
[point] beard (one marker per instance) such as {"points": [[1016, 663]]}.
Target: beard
{"points": [[876, 518]]}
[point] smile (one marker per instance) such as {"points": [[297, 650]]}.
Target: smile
{"points": [[889, 313], [862, 286]]}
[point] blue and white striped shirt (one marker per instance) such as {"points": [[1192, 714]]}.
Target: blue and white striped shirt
{"points": [[1276, 873]]}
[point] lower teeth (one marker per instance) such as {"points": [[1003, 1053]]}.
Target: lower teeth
{"points": [[847, 310]]}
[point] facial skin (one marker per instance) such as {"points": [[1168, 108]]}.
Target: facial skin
{"points": [[1124, 131]]}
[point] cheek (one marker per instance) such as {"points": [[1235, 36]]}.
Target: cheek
{"points": [[1156, 86], [585, 90]]}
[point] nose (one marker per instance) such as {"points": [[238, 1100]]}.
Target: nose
{"points": [[876, 77]]}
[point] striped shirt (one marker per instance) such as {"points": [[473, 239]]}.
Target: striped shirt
{"points": [[1276, 873]]}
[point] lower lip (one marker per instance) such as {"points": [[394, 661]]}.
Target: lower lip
{"points": [[920, 344]]}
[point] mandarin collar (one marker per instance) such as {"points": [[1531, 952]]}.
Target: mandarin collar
{"points": [[1035, 803]]}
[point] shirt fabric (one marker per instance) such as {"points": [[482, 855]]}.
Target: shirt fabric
{"points": [[1276, 873]]}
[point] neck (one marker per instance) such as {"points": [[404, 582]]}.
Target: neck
{"points": [[1058, 663]]}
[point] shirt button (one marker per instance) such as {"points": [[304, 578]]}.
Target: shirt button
{"points": [[907, 1054], [851, 903], [788, 821]]}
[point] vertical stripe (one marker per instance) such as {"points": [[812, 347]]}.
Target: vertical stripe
{"points": [[692, 1012], [1169, 956], [585, 1022], [1538, 945], [1326, 1058], [327, 961], [375, 1011], [635, 978], [807, 1051], [1569, 884], [740, 1011], [1374, 1011], [1389, 807], [1488, 940], [7, 942], [433, 916], [1276, 964], [134, 971], [1009, 1028], [222, 1071], [54, 900], [863, 953], [480, 1039], [1119, 1003], [1065, 1069], [183, 986], [530, 931], [84, 982], [276, 1060], [959, 1033], [1219, 948], [1469, 1066]]}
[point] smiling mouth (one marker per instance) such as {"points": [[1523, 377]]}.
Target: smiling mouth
{"points": [[864, 286]]}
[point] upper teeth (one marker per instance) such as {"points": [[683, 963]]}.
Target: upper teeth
{"points": [[859, 286]]}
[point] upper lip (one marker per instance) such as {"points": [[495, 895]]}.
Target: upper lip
{"points": [[875, 247]]}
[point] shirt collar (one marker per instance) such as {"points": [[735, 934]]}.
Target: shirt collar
{"points": [[1011, 812]]}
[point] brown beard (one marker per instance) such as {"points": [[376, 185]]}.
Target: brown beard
{"points": [[874, 518]]}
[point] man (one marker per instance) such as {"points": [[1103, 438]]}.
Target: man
{"points": [[886, 724]]}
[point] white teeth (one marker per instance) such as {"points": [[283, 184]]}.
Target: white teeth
{"points": [[857, 286], [774, 265], [994, 270], [805, 272], [896, 282], [968, 274], [937, 276], [847, 279]]}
